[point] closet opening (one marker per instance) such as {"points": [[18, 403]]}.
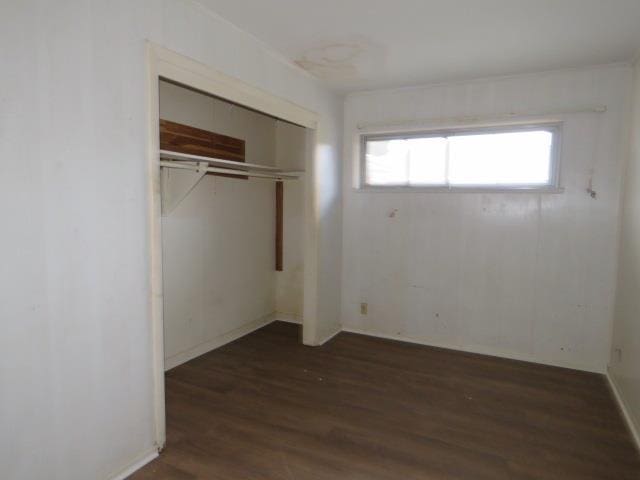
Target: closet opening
{"points": [[233, 217], [232, 189]]}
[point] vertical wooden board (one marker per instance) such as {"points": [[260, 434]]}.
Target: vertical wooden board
{"points": [[279, 225]]}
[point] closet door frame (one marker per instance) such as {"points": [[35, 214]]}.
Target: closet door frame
{"points": [[166, 64]]}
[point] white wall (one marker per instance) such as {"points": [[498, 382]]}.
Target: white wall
{"points": [[218, 244], [521, 275], [291, 148], [625, 359], [75, 354]]}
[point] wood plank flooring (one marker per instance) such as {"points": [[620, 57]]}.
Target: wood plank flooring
{"points": [[360, 408]]}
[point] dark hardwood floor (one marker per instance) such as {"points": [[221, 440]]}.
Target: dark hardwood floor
{"points": [[360, 408]]}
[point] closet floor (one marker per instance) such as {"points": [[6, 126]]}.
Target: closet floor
{"points": [[361, 408]]}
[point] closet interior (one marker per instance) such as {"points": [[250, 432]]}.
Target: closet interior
{"points": [[232, 183]]}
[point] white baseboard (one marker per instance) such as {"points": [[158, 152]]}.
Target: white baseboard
{"points": [[217, 342], [473, 349], [136, 465], [329, 337], [288, 317], [628, 417], [297, 319]]}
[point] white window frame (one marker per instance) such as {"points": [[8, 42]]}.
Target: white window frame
{"points": [[555, 128]]}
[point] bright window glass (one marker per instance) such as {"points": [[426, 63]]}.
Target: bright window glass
{"points": [[413, 161], [480, 158]]}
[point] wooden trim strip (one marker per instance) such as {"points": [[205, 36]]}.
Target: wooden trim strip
{"points": [[279, 226]]}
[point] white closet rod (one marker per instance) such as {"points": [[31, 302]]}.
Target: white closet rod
{"points": [[271, 176], [185, 157]]}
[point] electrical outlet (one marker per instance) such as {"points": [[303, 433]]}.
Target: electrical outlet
{"points": [[364, 308]]}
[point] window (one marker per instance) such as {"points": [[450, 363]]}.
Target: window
{"points": [[516, 157]]}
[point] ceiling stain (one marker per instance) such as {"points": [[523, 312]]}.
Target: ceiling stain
{"points": [[339, 60]]}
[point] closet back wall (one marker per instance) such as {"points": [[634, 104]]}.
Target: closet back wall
{"points": [[291, 151], [218, 244]]}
